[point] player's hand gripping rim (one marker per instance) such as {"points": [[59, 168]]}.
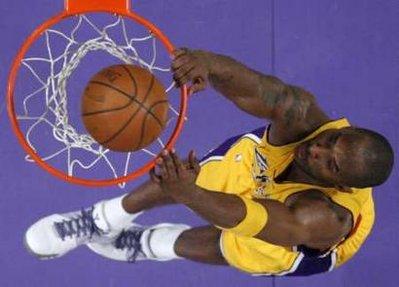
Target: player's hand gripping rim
{"points": [[190, 66]]}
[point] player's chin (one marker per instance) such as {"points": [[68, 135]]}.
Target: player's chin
{"points": [[301, 161], [304, 165]]}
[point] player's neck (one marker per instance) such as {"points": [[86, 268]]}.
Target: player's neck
{"points": [[294, 173]]}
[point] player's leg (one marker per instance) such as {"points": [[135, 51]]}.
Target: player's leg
{"points": [[57, 234], [146, 196], [200, 244], [161, 242], [164, 242]]}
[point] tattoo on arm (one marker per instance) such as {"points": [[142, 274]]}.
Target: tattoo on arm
{"points": [[272, 100], [260, 95], [297, 105], [289, 103], [271, 91]]}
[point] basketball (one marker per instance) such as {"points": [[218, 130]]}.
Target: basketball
{"points": [[124, 108]]}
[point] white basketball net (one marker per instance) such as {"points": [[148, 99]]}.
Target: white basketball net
{"points": [[53, 91]]}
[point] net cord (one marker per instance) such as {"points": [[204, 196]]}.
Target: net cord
{"points": [[54, 89]]}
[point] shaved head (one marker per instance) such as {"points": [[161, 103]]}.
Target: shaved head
{"points": [[347, 157], [376, 159]]}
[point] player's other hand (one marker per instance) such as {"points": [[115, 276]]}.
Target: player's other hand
{"points": [[174, 176], [191, 66]]}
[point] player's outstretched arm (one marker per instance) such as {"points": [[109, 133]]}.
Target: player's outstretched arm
{"points": [[292, 110], [308, 218]]}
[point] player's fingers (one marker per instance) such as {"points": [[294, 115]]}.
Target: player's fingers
{"points": [[199, 84], [168, 163], [184, 79], [180, 62], [162, 168], [154, 178], [177, 162], [184, 72], [194, 163], [191, 156], [179, 52]]}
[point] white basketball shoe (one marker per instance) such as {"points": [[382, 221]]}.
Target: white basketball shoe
{"points": [[126, 247], [57, 234]]}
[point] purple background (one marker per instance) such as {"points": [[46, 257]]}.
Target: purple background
{"points": [[345, 52]]}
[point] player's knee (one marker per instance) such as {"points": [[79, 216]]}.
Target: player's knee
{"points": [[200, 244]]}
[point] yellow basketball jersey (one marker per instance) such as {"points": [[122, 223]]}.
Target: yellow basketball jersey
{"points": [[247, 165]]}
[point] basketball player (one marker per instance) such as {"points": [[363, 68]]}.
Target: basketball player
{"points": [[292, 199]]}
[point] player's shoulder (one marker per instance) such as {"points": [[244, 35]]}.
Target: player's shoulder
{"points": [[324, 219], [316, 199]]}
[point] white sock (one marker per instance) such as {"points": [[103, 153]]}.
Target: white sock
{"points": [[110, 216], [158, 242]]}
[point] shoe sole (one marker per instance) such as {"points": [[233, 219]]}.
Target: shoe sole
{"points": [[39, 256]]}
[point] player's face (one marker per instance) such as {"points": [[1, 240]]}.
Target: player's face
{"points": [[331, 156]]}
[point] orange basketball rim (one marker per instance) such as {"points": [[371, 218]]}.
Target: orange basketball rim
{"points": [[76, 7]]}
